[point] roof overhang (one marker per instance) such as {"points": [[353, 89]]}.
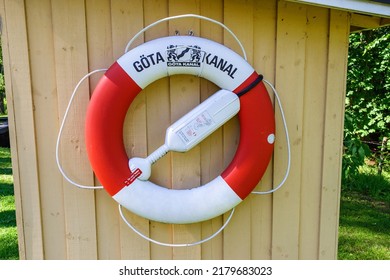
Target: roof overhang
{"points": [[380, 8]]}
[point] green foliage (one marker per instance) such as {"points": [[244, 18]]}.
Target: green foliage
{"points": [[368, 83], [3, 102], [2, 84], [367, 112], [355, 151]]}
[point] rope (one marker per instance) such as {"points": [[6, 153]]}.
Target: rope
{"points": [[62, 128], [173, 244]]}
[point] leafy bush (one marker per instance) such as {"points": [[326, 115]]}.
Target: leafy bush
{"points": [[367, 111], [3, 102]]}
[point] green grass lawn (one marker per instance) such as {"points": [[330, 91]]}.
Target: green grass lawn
{"points": [[8, 232], [364, 232]]}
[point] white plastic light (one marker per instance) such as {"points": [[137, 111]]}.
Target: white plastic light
{"points": [[192, 128]]}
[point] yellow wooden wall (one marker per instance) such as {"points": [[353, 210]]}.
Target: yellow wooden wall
{"points": [[49, 45]]}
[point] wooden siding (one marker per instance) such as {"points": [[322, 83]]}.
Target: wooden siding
{"points": [[49, 45]]}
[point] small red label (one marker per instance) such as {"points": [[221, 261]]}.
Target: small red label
{"points": [[134, 175]]}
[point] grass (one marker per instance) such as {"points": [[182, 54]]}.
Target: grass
{"points": [[364, 231], [8, 232]]}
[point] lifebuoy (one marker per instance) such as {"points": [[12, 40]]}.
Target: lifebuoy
{"points": [[133, 72]]}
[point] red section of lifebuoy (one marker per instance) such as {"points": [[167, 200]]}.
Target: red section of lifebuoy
{"points": [[104, 128], [253, 154]]}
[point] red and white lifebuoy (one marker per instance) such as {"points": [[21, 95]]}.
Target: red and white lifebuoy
{"points": [[133, 72]]}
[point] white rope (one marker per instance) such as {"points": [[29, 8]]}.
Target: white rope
{"points": [[287, 141], [62, 128], [175, 244], [185, 16]]}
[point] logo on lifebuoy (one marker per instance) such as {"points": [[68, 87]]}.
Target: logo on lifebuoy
{"points": [[184, 56]]}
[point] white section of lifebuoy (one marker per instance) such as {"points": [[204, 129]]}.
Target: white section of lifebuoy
{"points": [[153, 61], [178, 206]]}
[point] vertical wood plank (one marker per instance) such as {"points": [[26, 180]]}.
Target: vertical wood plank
{"points": [[127, 20], [238, 16], [43, 81], [333, 133], [22, 130], [184, 93], [5, 41], [211, 149], [69, 27], [99, 36], [313, 124], [100, 55], [290, 63], [158, 117], [264, 48], [7, 64]]}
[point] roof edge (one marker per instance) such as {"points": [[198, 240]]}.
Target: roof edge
{"points": [[355, 6]]}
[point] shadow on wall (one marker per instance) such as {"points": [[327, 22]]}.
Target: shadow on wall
{"points": [[4, 133]]}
